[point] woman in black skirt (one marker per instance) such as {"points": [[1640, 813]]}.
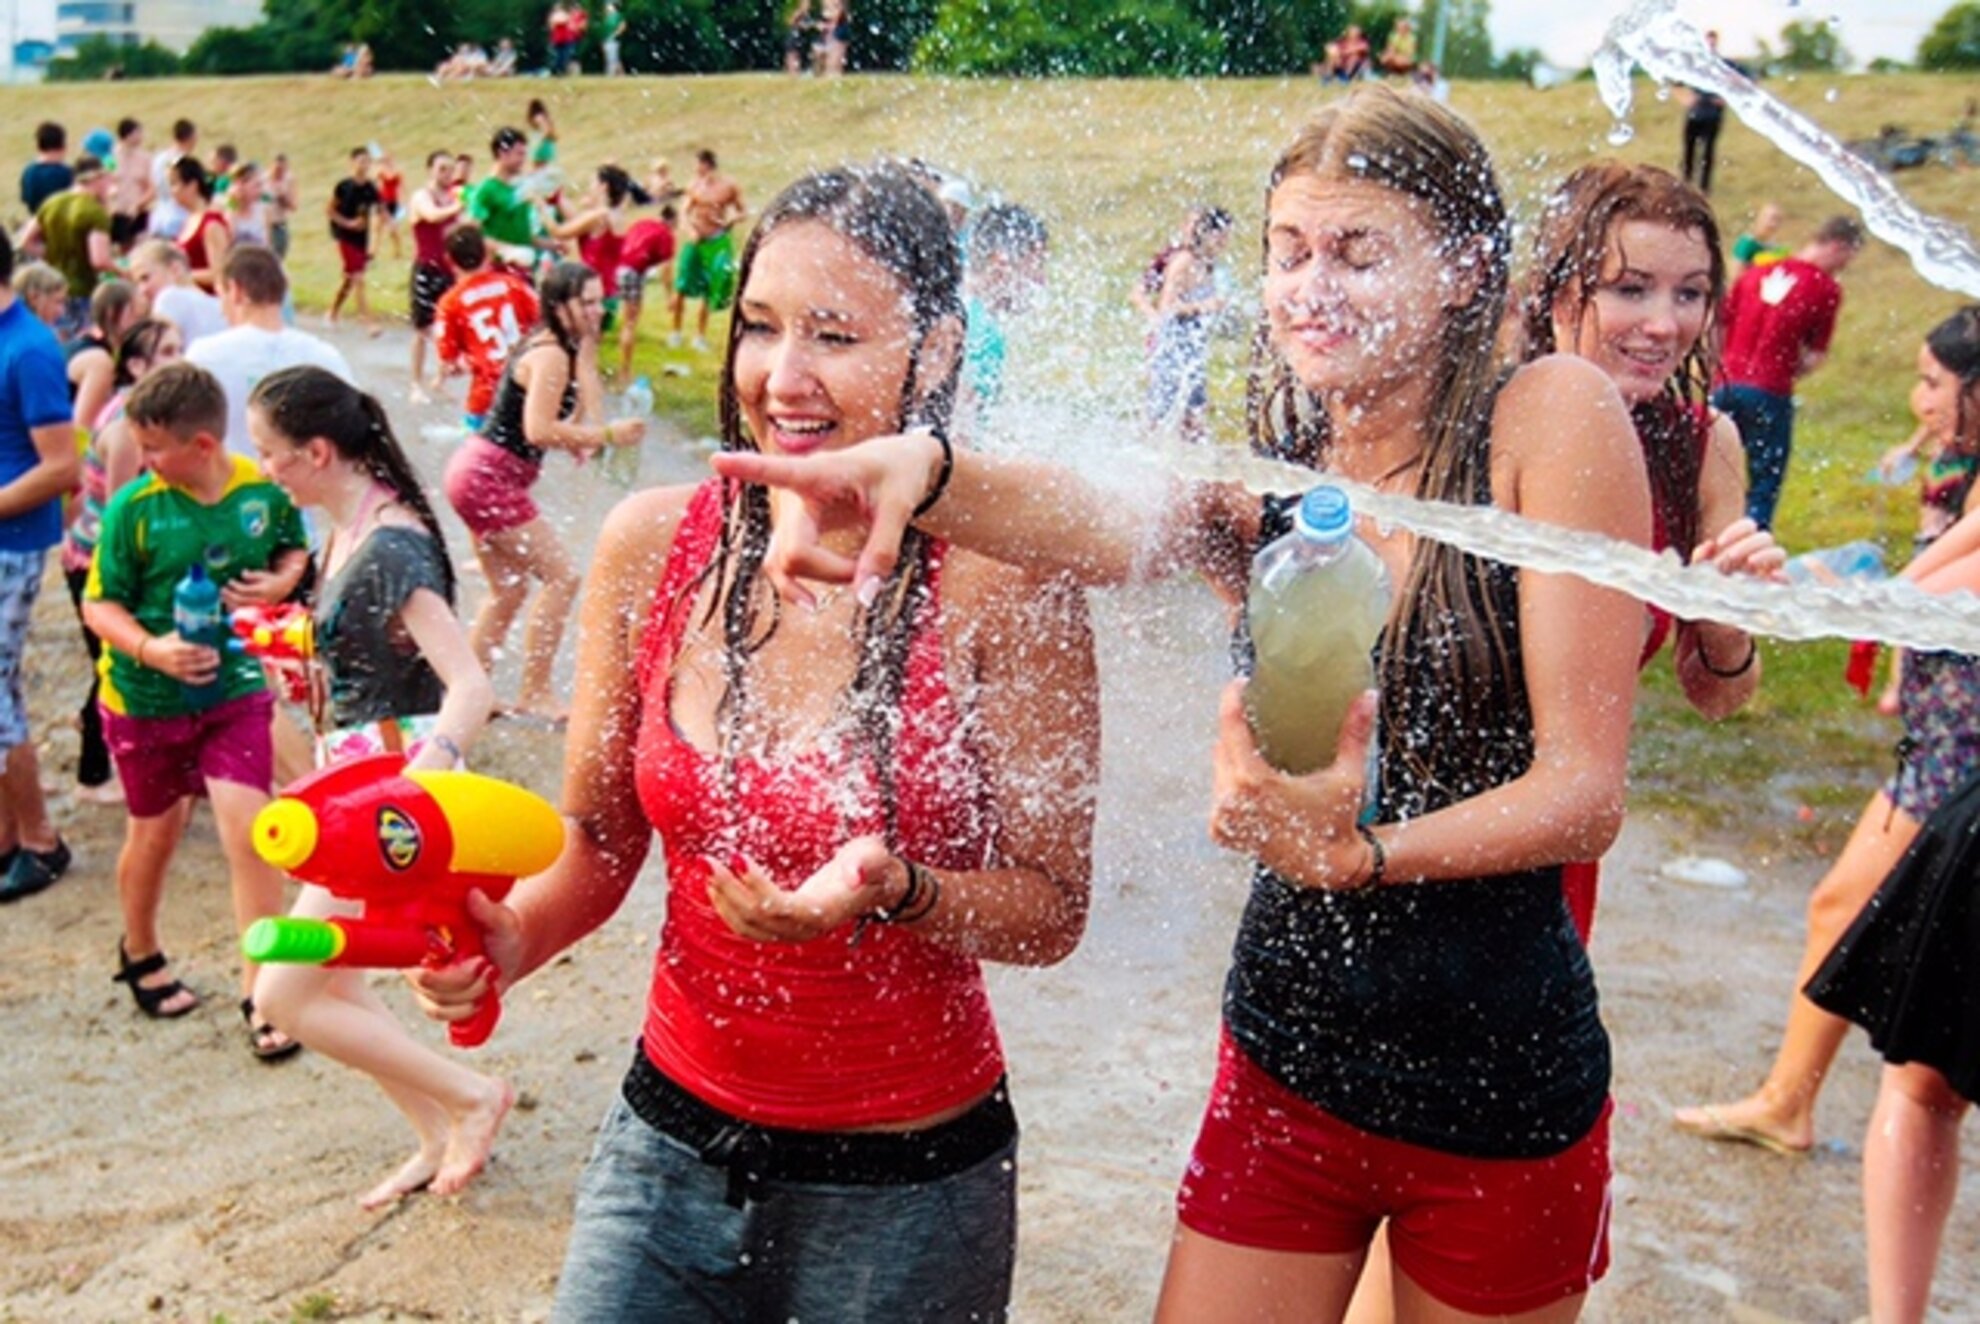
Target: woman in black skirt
{"points": [[1908, 971]]}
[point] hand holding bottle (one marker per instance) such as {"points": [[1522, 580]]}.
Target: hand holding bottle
{"points": [[1301, 827]]}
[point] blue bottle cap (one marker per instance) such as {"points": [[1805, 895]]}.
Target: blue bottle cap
{"points": [[1324, 513]]}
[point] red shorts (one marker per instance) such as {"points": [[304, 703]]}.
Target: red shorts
{"points": [[488, 487], [162, 760], [1486, 1236], [355, 258]]}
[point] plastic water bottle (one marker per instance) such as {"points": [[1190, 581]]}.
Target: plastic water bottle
{"points": [[198, 618], [1861, 559], [621, 463], [1319, 597]]}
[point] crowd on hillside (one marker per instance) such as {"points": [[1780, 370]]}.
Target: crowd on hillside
{"points": [[848, 683]]}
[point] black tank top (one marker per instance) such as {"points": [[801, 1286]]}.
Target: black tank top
{"points": [[505, 417], [1457, 1015]]}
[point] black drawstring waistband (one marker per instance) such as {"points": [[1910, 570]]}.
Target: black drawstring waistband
{"points": [[752, 1154]]}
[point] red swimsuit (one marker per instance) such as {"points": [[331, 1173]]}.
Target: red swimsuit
{"points": [[820, 1035]]}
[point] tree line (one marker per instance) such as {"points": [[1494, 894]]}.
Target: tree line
{"points": [[1091, 38]]}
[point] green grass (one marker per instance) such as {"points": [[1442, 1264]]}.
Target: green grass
{"points": [[1110, 166]]}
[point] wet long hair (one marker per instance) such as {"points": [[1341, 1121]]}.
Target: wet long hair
{"points": [[885, 213], [562, 284], [307, 402], [1407, 143], [1955, 343], [1579, 227]]}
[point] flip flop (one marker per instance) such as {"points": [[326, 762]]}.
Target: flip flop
{"points": [[1709, 1125]]}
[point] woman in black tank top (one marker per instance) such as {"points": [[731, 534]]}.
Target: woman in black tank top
{"points": [[1411, 1029], [549, 398]]}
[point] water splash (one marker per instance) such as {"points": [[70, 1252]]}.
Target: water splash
{"points": [[1889, 611], [1650, 34]]}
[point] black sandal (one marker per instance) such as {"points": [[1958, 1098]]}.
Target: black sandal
{"points": [[267, 1043], [151, 1001]]}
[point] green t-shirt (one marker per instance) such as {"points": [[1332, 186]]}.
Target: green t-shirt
{"points": [[504, 215], [152, 533], [67, 220]]}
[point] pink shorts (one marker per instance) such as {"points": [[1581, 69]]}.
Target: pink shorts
{"points": [[162, 760], [488, 487], [1486, 1236]]}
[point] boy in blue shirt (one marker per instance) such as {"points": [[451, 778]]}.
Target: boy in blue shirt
{"points": [[198, 504]]}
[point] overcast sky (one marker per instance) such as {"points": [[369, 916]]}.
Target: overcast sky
{"points": [[1567, 30]]}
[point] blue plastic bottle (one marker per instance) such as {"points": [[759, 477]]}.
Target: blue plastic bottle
{"points": [[198, 618]]}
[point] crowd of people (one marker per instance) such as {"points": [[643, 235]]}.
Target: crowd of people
{"points": [[850, 683]]}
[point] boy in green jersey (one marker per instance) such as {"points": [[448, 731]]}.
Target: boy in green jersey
{"points": [[199, 504]]}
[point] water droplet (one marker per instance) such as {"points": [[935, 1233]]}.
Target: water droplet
{"points": [[1622, 133], [1832, 96], [1663, 90]]}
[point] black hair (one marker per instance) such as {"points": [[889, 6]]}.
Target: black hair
{"points": [[1955, 343], [50, 137], [618, 184], [562, 283], [504, 138], [1841, 230], [706, 157], [306, 402], [467, 246], [188, 170], [126, 127], [140, 342], [183, 129], [892, 219], [439, 154], [1007, 228]]}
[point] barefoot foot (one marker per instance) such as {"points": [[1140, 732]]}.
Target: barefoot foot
{"points": [[415, 1174], [473, 1139], [1750, 1122]]}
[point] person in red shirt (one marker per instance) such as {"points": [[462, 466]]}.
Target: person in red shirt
{"points": [[480, 319], [1778, 321], [435, 209], [648, 247]]}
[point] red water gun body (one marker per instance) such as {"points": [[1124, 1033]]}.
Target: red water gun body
{"points": [[410, 847]]}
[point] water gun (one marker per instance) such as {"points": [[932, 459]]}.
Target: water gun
{"points": [[410, 846], [282, 636]]}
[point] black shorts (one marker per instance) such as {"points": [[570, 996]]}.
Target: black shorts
{"points": [[126, 230], [428, 284]]}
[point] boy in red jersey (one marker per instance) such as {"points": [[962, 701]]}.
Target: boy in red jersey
{"points": [[480, 319]]}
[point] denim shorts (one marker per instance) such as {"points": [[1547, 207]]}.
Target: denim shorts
{"points": [[656, 1238]]}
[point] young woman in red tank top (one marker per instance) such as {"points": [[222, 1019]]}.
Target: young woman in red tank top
{"points": [[857, 803], [1627, 271]]}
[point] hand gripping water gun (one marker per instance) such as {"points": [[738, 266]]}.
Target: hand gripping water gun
{"points": [[410, 846], [282, 636]]}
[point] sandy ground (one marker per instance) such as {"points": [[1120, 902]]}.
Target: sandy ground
{"points": [[154, 1171]]}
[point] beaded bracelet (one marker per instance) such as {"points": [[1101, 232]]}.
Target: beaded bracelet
{"points": [[1378, 860]]}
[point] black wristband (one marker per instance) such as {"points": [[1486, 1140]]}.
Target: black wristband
{"points": [[941, 475], [1746, 665]]}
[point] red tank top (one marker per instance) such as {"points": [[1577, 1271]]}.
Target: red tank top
{"points": [[194, 244], [824, 1035], [600, 252], [430, 238]]}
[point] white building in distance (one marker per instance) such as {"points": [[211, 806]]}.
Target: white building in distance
{"points": [[173, 24]]}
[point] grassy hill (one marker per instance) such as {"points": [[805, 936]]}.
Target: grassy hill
{"points": [[1111, 165]]}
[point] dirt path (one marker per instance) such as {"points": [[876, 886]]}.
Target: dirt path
{"points": [[153, 1171]]}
